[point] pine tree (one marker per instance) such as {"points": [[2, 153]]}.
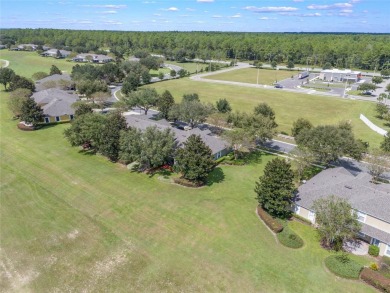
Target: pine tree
{"points": [[194, 160], [31, 112], [109, 145], [275, 189], [55, 70]]}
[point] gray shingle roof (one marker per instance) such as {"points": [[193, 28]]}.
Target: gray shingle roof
{"points": [[216, 144], [39, 84], [376, 233], [55, 102], [364, 196], [58, 108]]}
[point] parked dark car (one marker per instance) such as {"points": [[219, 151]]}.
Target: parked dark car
{"points": [[278, 86]]}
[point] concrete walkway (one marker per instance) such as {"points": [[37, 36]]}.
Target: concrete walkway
{"points": [[6, 63]]}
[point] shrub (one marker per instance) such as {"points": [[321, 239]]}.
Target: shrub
{"points": [[273, 224], [343, 266], [376, 279], [220, 160], [374, 266], [373, 250], [187, 183], [288, 238]]}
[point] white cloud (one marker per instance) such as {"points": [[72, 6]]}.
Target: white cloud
{"points": [[171, 9], [270, 9], [113, 22], [108, 6], [217, 16], [298, 0], [109, 12], [267, 18], [311, 14], [346, 11], [332, 6], [205, 1], [149, 2], [237, 15]]}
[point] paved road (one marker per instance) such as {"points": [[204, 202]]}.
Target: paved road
{"points": [[350, 164]]}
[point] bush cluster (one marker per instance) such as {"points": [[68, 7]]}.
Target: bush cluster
{"points": [[373, 250], [272, 223], [376, 279], [187, 183], [288, 238], [343, 266]]}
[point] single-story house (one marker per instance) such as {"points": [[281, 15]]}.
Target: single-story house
{"points": [[27, 47], [55, 81], [370, 201], [53, 53], [218, 146], [56, 104], [338, 75], [95, 58]]}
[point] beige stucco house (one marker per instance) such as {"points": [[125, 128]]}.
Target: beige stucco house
{"points": [[371, 202]]}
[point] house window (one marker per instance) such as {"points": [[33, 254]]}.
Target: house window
{"points": [[375, 241], [387, 251], [47, 120], [58, 119], [361, 217]]}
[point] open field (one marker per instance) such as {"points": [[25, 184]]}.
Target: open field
{"points": [[249, 75], [190, 66], [75, 222], [27, 63], [287, 105]]}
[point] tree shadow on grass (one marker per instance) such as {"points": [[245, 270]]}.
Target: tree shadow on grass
{"points": [[89, 152], [254, 157], [217, 176]]}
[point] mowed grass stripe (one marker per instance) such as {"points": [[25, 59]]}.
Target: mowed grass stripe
{"points": [[288, 106], [136, 233]]}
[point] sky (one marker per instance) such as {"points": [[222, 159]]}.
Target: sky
{"points": [[366, 16]]}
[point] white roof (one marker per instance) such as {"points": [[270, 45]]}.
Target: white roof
{"points": [[342, 71]]}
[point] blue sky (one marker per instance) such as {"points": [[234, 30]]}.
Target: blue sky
{"points": [[200, 15]]}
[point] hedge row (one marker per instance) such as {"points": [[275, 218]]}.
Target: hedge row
{"points": [[288, 238], [376, 279], [343, 266], [273, 224]]}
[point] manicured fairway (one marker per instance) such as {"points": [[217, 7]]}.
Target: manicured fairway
{"points": [[288, 106], [27, 63], [78, 223], [249, 75]]}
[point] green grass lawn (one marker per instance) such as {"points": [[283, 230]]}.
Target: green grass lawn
{"points": [[155, 73], [27, 63], [191, 66], [288, 106], [75, 222], [249, 75]]}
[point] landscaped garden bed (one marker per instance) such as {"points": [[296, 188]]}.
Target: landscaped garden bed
{"points": [[376, 279], [272, 223], [342, 266], [289, 238]]}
